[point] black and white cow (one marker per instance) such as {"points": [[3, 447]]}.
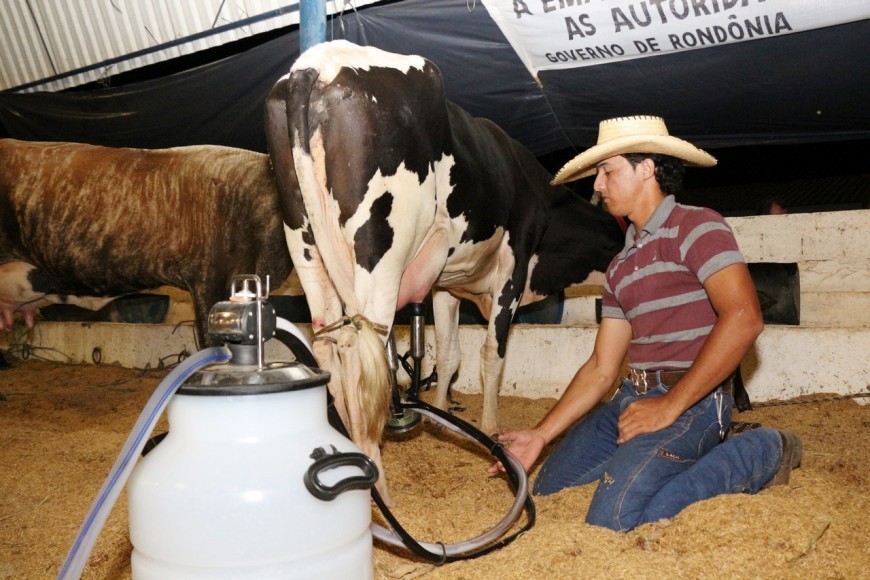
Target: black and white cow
{"points": [[79, 221], [390, 191]]}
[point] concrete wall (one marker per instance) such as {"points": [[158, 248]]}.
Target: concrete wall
{"points": [[833, 256], [830, 248], [786, 362], [827, 353]]}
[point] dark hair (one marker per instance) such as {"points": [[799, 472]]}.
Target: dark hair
{"points": [[766, 204], [669, 170]]}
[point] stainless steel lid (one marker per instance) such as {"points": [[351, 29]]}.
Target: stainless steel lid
{"points": [[234, 379]]}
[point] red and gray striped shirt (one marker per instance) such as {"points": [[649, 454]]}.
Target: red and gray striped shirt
{"points": [[657, 283]]}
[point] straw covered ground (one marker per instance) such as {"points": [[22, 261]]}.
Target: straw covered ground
{"points": [[62, 426]]}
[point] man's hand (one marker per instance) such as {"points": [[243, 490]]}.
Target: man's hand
{"points": [[645, 416], [524, 445]]}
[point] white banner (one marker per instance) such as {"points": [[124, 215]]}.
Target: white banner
{"points": [[558, 34]]}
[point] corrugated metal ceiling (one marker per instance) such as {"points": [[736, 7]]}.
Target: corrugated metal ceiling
{"points": [[51, 45]]}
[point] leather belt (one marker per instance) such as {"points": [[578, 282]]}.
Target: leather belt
{"points": [[644, 381]]}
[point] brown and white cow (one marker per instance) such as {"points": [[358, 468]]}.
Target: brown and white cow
{"points": [[388, 191], [79, 221]]}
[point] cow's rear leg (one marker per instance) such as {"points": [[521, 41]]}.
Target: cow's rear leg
{"points": [[327, 357], [446, 313], [325, 310]]}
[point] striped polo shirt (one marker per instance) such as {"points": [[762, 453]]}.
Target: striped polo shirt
{"points": [[656, 283]]}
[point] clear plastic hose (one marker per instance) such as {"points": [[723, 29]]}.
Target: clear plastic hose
{"points": [[284, 324], [81, 549]]}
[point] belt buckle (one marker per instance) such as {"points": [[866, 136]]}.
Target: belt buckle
{"points": [[640, 380]]}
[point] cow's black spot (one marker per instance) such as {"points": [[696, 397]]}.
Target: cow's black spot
{"points": [[410, 117], [375, 236], [308, 236], [506, 298]]}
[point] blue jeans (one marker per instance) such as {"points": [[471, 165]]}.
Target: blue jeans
{"points": [[656, 475]]}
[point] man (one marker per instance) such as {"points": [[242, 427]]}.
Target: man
{"points": [[680, 303], [771, 205]]}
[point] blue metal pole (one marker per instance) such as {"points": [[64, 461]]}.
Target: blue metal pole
{"points": [[312, 23]]}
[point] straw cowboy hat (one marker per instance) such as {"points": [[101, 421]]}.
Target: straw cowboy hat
{"points": [[640, 134]]}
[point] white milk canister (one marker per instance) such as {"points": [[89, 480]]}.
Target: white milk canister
{"points": [[252, 482]]}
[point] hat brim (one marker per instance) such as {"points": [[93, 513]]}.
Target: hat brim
{"points": [[586, 163]]}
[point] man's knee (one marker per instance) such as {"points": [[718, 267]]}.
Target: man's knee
{"points": [[614, 506]]}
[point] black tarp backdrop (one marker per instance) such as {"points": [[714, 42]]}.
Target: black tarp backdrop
{"points": [[804, 88], [220, 103]]}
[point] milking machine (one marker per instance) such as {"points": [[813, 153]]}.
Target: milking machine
{"points": [[404, 419], [253, 478]]}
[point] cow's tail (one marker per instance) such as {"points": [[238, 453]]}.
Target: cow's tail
{"points": [[374, 383]]}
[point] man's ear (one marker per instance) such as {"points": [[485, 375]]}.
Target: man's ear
{"points": [[648, 166]]}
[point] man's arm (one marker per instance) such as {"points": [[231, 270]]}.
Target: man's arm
{"points": [[586, 389], [734, 298]]}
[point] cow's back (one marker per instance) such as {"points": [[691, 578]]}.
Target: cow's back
{"points": [[107, 221]]}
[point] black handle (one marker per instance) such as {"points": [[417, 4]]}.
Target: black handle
{"points": [[324, 461]]}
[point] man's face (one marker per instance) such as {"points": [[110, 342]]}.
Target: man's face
{"points": [[618, 183]]}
